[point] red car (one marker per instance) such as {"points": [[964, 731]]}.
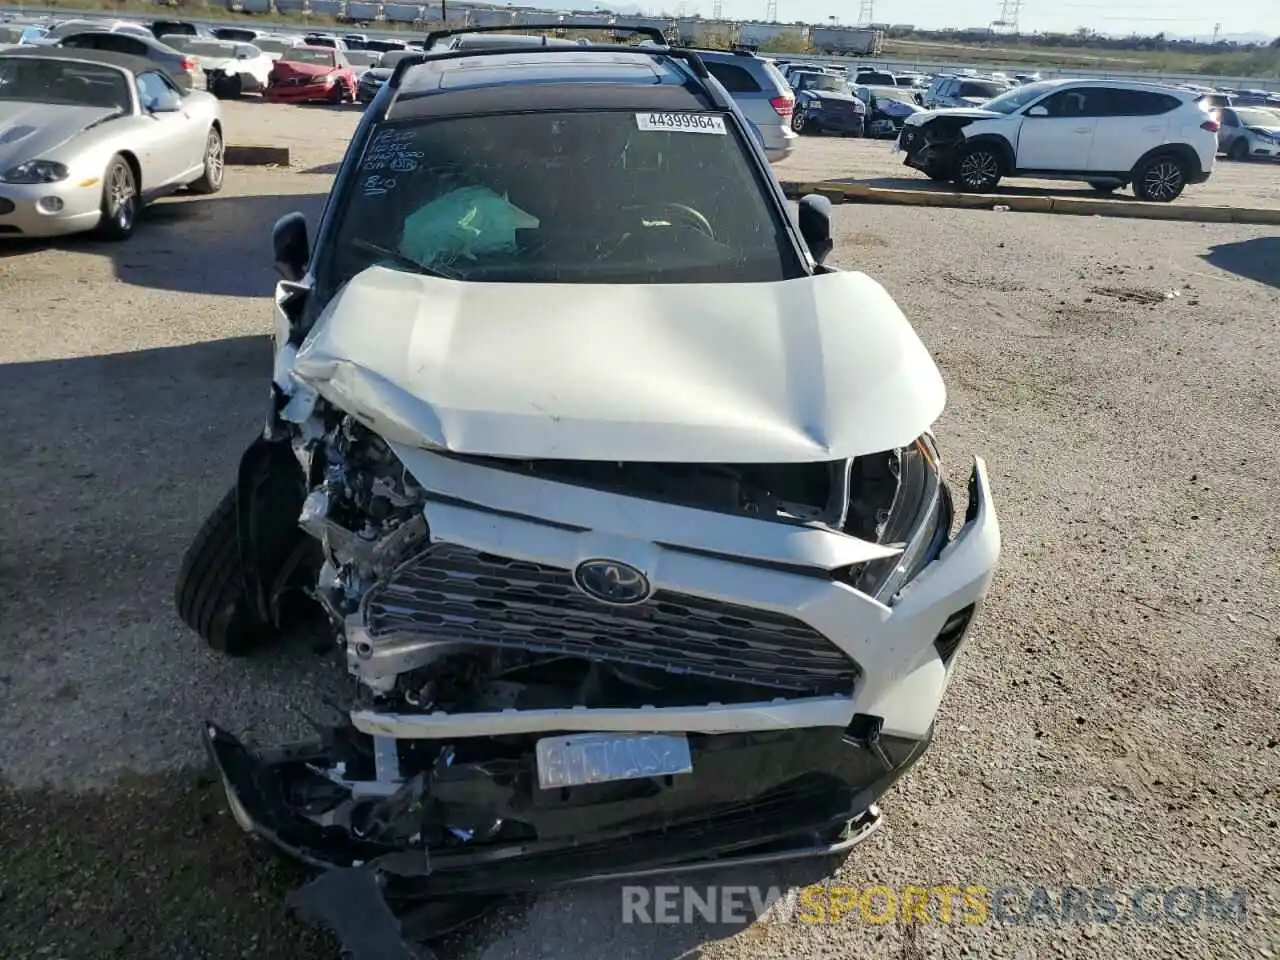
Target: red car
{"points": [[306, 74]]}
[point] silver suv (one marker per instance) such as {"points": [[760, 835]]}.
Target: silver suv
{"points": [[761, 93]]}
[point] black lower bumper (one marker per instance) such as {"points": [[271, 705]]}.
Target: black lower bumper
{"points": [[833, 122], [751, 797]]}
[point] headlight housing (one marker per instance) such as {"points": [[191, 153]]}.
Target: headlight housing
{"points": [[918, 520], [36, 171]]}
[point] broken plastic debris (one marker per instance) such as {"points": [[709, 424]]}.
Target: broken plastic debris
{"points": [[1000, 208]]}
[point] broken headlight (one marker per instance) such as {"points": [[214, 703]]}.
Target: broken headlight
{"points": [[918, 521]]}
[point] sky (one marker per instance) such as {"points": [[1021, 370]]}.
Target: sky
{"points": [[1182, 17]]}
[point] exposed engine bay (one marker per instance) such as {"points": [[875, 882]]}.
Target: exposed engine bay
{"points": [[931, 146], [718, 642]]}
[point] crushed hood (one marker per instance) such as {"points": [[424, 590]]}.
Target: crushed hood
{"points": [[969, 113], [802, 370]]}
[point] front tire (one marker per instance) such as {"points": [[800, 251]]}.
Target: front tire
{"points": [[120, 201], [228, 88], [1160, 179], [1239, 150], [214, 165], [978, 169], [210, 592], [797, 122]]}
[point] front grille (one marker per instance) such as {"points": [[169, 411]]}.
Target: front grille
{"points": [[453, 593]]}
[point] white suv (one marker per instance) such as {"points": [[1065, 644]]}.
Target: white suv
{"points": [[1109, 133]]}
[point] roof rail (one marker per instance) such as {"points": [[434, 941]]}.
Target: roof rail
{"points": [[689, 56], [653, 33]]}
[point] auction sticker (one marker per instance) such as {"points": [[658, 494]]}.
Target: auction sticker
{"points": [[682, 122]]}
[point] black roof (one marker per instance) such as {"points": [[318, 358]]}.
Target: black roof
{"points": [[105, 57]]}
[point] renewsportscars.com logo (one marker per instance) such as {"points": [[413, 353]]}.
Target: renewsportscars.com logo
{"points": [[944, 903]]}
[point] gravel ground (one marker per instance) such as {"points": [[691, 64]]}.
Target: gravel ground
{"points": [[1113, 721]]}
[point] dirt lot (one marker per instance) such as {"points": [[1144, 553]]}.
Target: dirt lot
{"points": [[1113, 722]]}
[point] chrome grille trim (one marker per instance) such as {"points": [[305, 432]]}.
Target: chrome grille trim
{"points": [[453, 593]]}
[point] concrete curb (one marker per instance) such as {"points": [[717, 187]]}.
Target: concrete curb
{"points": [[861, 193], [256, 156]]}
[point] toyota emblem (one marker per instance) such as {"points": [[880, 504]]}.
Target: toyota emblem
{"points": [[611, 581]]}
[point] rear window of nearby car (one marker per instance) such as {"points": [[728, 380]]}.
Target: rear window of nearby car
{"points": [[734, 79], [819, 81], [1139, 103], [656, 200], [978, 88], [877, 79]]}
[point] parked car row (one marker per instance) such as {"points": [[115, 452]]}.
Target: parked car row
{"points": [[1108, 133], [95, 134]]}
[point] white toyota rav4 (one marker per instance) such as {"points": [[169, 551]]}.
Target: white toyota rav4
{"points": [[1108, 133]]}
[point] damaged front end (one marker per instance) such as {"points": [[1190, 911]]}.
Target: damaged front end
{"points": [[931, 146], [568, 668]]}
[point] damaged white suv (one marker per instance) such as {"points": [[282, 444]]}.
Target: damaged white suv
{"points": [[625, 510]]}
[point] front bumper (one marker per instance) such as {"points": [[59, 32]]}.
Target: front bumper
{"points": [[50, 209], [834, 120], [750, 798], [300, 92], [365, 91]]}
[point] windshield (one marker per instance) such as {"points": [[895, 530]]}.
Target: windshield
{"points": [[303, 55], [893, 93], [614, 197], [214, 49], [275, 44], [36, 80], [392, 57], [981, 88], [1258, 117], [820, 81], [1018, 97]]}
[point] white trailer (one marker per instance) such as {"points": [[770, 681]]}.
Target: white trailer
{"points": [[847, 41], [755, 34], [402, 12], [361, 11]]}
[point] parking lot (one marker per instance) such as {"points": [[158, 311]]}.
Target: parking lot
{"points": [[1113, 722]]}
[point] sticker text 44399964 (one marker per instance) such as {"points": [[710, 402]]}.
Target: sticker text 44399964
{"points": [[682, 122]]}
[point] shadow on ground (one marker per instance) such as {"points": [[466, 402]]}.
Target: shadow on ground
{"points": [[213, 245], [1257, 259], [923, 184]]}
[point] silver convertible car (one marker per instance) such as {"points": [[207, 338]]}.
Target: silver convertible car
{"points": [[88, 136]]}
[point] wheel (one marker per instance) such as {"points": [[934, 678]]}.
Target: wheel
{"points": [[1103, 187], [214, 165], [978, 168], [120, 201], [1239, 150], [210, 591], [228, 88], [858, 131], [1160, 179], [797, 121]]}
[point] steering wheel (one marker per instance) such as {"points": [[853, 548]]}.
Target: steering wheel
{"points": [[684, 214]]}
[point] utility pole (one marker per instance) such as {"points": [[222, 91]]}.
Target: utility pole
{"points": [[717, 9], [771, 11], [1009, 10], [1216, 28], [866, 12]]}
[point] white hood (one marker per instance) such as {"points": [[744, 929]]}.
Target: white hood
{"points": [[819, 368]]}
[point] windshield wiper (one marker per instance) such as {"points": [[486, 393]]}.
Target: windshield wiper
{"points": [[395, 256]]}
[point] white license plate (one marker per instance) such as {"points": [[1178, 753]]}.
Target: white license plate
{"points": [[605, 757]]}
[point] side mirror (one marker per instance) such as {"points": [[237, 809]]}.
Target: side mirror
{"points": [[815, 225], [1038, 112], [292, 248], [166, 102]]}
